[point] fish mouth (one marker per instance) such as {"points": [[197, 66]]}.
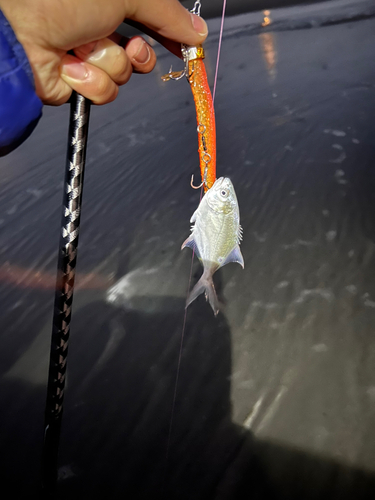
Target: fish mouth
{"points": [[223, 182]]}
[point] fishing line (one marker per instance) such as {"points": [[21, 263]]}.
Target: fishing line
{"points": [[196, 10], [219, 48]]}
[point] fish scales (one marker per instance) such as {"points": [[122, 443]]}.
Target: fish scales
{"points": [[217, 229]]}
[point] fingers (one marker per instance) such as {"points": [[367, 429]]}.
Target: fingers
{"points": [[88, 80], [101, 66], [107, 56], [139, 52], [169, 19]]}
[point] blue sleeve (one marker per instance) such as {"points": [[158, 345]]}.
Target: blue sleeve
{"points": [[20, 107]]}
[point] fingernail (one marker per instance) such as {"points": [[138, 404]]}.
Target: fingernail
{"points": [[76, 71], [142, 56], [199, 25]]}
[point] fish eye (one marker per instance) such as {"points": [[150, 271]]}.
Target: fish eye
{"points": [[224, 193]]}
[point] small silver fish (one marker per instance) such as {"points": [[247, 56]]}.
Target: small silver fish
{"points": [[215, 237]]}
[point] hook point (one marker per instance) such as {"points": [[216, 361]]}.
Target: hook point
{"points": [[192, 185]]}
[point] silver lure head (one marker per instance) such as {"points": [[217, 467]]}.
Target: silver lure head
{"points": [[222, 197]]}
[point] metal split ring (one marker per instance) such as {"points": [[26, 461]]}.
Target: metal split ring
{"points": [[201, 129], [196, 8], [206, 158]]}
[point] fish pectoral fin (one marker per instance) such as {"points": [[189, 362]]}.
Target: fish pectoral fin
{"points": [[190, 242], [235, 256]]}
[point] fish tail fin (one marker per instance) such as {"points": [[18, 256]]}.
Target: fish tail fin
{"points": [[206, 285]]}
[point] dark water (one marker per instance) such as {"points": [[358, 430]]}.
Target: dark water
{"points": [[276, 397]]}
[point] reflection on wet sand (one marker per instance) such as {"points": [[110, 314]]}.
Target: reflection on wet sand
{"points": [[267, 19], [43, 280], [268, 46]]}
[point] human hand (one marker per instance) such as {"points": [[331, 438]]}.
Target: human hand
{"points": [[48, 30]]}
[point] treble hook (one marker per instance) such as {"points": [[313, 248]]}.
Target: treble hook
{"points": [[192, 185], [177, 75], [189, 53], [173, 75]]}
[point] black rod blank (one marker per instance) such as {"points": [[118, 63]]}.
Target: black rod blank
{"points": [[75, 164]]}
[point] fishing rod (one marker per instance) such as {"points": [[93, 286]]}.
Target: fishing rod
{"points": [[67, 259]]}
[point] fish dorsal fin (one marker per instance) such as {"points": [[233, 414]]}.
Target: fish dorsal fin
{"points": [[190, 242], [239, 234], [235, 256]]}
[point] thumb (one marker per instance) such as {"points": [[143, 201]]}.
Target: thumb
{"points": [[169, 19]]}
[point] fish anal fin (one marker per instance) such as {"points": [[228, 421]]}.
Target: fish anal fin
{"points": [[235, 256]]}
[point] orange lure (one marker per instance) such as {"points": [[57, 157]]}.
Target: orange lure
{"points": [[195, 72], [205, 119]]}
